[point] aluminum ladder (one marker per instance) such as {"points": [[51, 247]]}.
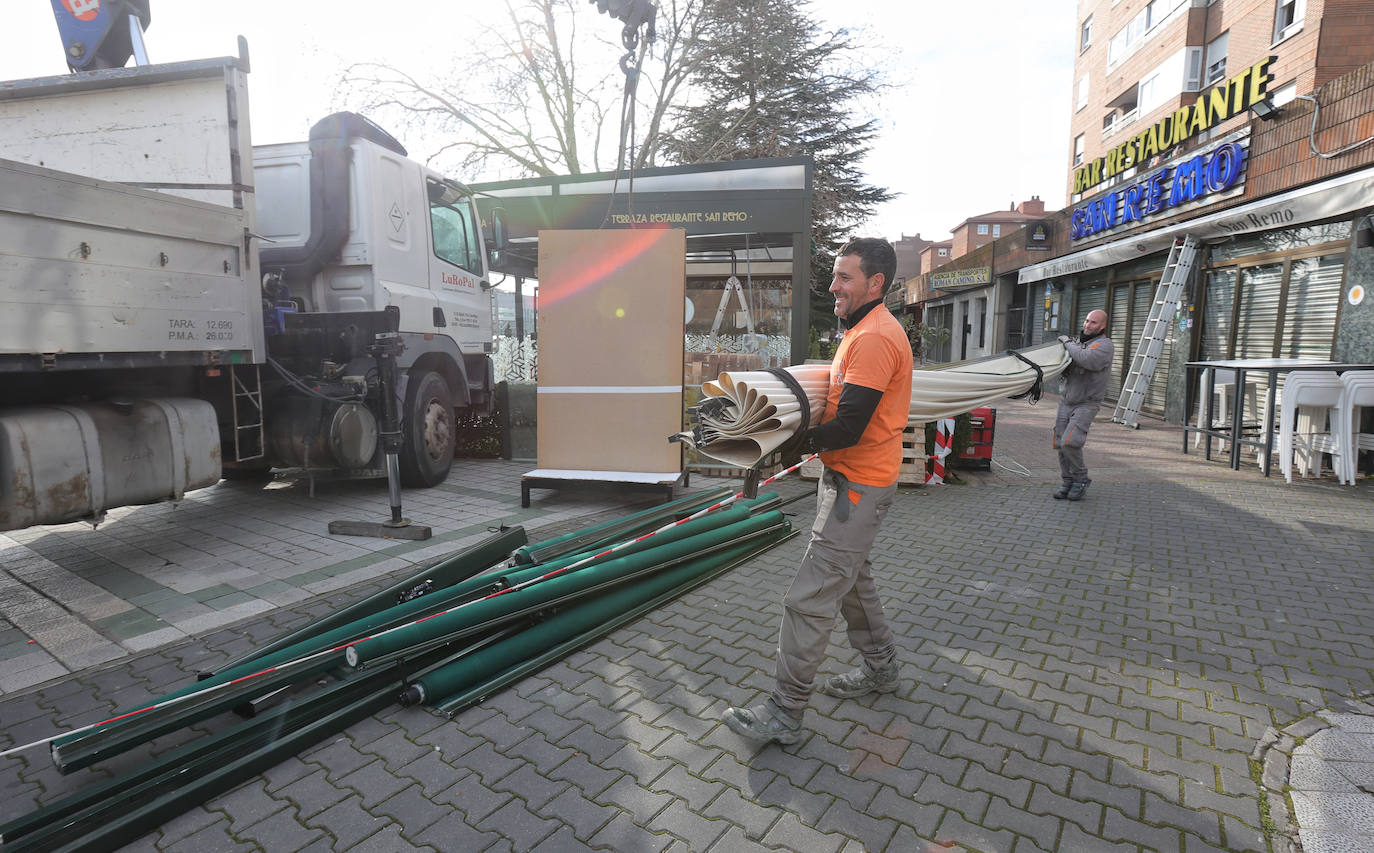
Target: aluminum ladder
{"points": [[249, 440], [1177, 270]]}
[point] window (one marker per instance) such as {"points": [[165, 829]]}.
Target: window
{"points": [[1078, 149], [1216, 60], [1083, 91], [1288, 15], [997, 230], [1284, 93], [982, 229], [944, 253], [1149, 94], [454, 227], [1085, 36], [983, 321]]}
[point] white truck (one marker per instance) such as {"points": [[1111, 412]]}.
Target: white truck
{"points": [[174, 308]]}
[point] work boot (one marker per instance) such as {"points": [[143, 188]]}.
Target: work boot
{"points": [[1063, 490], [765, 722], [862, 681], [1077, 490]]}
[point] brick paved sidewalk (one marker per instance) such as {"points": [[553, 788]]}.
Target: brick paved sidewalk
{"points": [[1089, 676]]}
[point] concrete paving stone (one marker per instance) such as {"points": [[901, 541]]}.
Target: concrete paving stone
{"points": [[587, 777], [971, 804], [1015, 790], [279, 831], [1350, 813], [247, 804], [640, 802], [517, 823], [591, 743], [958, 746], [1074, 840], [695, 756], [532, 786], [789, 833], [954, 828], [339, 757], [699, 832], [1240, 836], [373, 782], [622, 833], [1336, 744], [582, 817], [1204, 824], [490, 765], [33, 674], [283, 773], [1243, 807], [1353, 723], [1159, 762], [311, 794], [552, 725], [395, 748], [211, 839], [1043, 801], [411, 811], [388, 839], [1126, 797], [1094, 764]]}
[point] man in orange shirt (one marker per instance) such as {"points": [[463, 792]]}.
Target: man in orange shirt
{"points": [[859, 437]]}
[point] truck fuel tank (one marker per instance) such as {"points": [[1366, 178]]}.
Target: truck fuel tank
{"points": [[315, 433], [62, 463]]}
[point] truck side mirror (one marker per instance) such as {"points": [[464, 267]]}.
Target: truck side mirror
{"points": [[496, 241]]}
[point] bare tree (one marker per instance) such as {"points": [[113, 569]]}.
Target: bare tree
{"points": [[538, 97]]}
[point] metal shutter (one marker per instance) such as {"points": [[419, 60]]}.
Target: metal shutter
{"points": [[1159, 380], [1121, 338], [1260, 287], [1216, 315], [1314, 295]]}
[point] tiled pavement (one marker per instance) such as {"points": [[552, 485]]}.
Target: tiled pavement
{"points": [[1093, 676]]}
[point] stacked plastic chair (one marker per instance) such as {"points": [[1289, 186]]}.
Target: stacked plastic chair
{"points": [[1357, 391], [1318, 392]]}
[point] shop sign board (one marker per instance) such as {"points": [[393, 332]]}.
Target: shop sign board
{"points": [[961, 278], [1210, 109], [1201, 178]]}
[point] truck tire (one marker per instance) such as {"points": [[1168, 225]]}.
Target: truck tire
{"points": [[427, 431]]}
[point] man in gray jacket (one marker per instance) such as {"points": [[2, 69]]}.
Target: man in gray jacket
{"points": [[1085, 383]]}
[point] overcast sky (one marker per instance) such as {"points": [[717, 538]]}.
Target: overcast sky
{"points": [[978, 117]]}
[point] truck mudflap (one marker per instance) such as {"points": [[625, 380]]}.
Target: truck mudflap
{"points": [[61, 463]]}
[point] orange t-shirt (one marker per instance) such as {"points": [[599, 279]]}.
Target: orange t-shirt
{"points": [[875, 354]]}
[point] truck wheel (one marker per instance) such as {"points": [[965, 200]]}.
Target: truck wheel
{"points": [[428, 433]]}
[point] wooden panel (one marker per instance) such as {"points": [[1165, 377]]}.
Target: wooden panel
{"points": [[611, 316]]}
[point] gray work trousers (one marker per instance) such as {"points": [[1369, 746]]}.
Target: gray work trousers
{"points": [[1071, 425], [835, 577]]}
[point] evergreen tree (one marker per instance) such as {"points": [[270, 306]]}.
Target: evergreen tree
{"points": [[768, 81]]}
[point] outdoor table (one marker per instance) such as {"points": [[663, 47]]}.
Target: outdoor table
{"points": [[1273, 367]]}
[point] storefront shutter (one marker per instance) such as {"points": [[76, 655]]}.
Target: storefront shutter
{"points": [[1121, 337], [1260, 287], [1314, 293], [1216, 316], [1159, 381], [1089, 299]]}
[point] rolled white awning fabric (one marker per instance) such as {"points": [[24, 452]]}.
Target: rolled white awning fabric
{"points": [[748, 414]]}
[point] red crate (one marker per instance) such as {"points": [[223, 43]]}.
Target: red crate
{"points": [[978, 452]]}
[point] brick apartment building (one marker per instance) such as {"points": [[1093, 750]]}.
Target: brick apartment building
{"points": [[1167, 139]]}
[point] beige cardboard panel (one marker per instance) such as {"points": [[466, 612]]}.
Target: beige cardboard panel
{"points": [[611, 307], [609, 432]]}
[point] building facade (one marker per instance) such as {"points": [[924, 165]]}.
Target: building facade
{"points": [[1266, 159]]}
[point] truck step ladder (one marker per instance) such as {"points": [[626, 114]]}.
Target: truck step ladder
{"points": [[1177, 270], [249, 441], [732, 285]]}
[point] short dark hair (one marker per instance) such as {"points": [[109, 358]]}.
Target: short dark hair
{"points": [[876, 255]]}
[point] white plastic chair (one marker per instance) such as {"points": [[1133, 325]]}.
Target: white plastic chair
{"points": [[1358, 392], [1222, 389], [1318, 392]]}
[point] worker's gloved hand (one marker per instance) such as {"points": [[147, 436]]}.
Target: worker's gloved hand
{"points": [[791, 452]]}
